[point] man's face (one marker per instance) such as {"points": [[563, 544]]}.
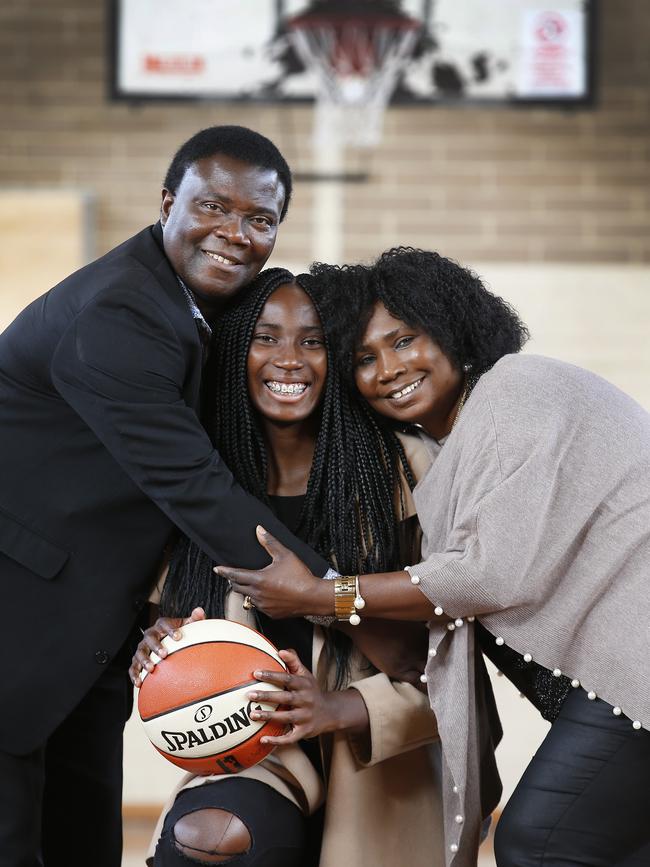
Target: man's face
{"points": [[220, 225]]}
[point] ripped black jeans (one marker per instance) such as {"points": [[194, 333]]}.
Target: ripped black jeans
{"points": [[281, 836]]}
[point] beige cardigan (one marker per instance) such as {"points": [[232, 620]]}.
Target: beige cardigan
{"points": [[385, 811], [536, 519]]}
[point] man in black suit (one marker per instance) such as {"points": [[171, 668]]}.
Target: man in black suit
{"points": [[102, 453]]}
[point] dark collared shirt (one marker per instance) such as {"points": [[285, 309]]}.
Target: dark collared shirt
{"points": [[202, 326]]}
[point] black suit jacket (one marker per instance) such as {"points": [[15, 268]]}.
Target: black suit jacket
{"points": [[101, 452]]}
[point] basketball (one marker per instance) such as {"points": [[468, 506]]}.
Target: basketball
{"points": [[193, 705]]}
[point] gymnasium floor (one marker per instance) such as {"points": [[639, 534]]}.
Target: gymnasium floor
{"points": [[138, 831]]}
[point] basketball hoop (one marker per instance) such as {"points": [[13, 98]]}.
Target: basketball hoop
{"points": [[356, 50]]}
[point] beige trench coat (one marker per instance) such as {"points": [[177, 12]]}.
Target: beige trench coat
{"points": [[383, 809]]}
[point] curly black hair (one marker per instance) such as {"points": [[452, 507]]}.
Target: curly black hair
{"points": [[351, 509], [427, 291], [237, 142]]}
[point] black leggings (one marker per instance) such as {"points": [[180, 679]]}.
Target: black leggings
{"points": [[583, 800], [279, 832]]}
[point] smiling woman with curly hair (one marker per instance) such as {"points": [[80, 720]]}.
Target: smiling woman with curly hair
{"points": [[427, 290], [535, 515]]}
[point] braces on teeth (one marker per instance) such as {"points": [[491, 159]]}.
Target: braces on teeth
{"points": [[284, 388]]}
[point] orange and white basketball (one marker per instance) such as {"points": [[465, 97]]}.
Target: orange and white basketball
{"points": [[194, 706]]}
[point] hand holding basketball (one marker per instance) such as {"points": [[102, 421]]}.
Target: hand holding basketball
{"points": [[194, 704], [285, 588], [308, 709], [152, 642]]}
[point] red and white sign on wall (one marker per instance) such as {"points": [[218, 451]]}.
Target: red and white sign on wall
{"points": [[551, 62]]}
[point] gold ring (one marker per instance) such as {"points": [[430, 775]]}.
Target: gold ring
{"points": [[247, 604]]}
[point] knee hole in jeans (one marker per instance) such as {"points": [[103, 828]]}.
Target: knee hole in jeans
{"points": [[211, 836]]}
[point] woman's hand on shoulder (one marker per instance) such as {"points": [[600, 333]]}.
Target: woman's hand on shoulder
{"points": [[284, 588], [303, 706], [152, 642]]}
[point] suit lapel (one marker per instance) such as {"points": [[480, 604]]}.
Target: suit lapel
{"points": [[151, 253]]}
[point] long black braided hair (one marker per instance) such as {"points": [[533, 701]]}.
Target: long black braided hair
{"points": [[351, 512]]}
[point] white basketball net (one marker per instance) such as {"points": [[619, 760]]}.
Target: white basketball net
{"points": [[356, 66]]}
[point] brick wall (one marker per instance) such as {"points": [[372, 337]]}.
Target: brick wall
{"points": [[487, 184]]}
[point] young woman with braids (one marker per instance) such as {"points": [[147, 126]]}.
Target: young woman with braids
{"points": [[535, 515], [293, 436]]}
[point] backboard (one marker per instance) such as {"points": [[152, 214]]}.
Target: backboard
{"points": [[497, 51]]}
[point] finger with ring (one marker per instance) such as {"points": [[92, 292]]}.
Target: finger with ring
{"points": [[247, 604]]}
